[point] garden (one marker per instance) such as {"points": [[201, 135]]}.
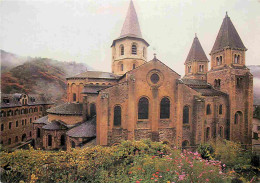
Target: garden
{"points": [[133, 161]]}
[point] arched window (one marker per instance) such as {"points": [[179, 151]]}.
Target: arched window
{"points": [[133, 66], [73, 145], [185, 143], [9, 141], [3, 114], [122, 67], [134, 49], [2, 127], [218, 63], [238, 59], [74, 97], [208, 109], [24, 137], [165, 108], [16, 124], [16, 139], [220, 60], [238, 117], [62, 140], [117, 116], [49, 140], [220, 110], [235, 59], [143, 108], [38, 133], [122, 50], [189, 69], [92, 110], [186, 115], [207, 133], [221, 130]]}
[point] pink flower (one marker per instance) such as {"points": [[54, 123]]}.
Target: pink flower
{"points": [[181, 177], [207, 180]]}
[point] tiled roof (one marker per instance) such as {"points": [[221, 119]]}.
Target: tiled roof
{"points": [[93, 89], [209, 92], [95, 74], [14, 100], [42, 120], [131, 25], [86, 129], [67, 109], [227, 37], [194, 82], [196, 52], [55, 125]]}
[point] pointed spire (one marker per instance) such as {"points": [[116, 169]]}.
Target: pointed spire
{"points": [[196, 51], [227, 37], [131, 25]]}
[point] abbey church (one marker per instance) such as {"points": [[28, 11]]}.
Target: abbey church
{"points": [[146, 99]]}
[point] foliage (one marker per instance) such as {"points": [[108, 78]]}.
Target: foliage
{"points": [[206, 151], [130, 161]]}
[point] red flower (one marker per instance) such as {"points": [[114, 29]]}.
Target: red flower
{"points": [[130, 172], [167, 169], [152, 178], [157, 172]]}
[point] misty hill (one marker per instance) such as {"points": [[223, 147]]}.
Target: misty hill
{"points": [[255, 70], [10, 60], [39, 75]]}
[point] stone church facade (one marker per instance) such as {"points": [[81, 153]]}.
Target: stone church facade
{"points": [[147, 99]]}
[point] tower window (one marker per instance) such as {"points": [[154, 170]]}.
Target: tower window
{"points": [[10, 125], [134, 49], [117, 116], [133, 66], [122, 50], [189, 69], [144, 52], [208, 109], [186, 115], [122, 67], [238, 59], [74, 97], [165, 108], [49, 140], [217, 59], [220, 60], [201, 68], [220, 110], [143, 108], [238, 117], [239, 82], [2, 127], [217, 83]]}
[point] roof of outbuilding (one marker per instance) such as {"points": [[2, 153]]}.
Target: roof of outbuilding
{"points": [[194, 82], [67, 109], [55, 125], [209, 92], [93, 89], [196, 52], [42, 120], [14, 100], [86, 129], [227, 37], [95, 75]]}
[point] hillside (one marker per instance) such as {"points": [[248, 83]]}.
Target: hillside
{"points": [[39, 75], [10, 60], [255, 70]]}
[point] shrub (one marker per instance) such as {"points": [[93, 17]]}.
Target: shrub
{"points": [[206, 151]]}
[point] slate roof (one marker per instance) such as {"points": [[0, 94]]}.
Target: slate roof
{"points": [[196, 52], [131, 25], [227, 37], [209, 92], [14, 100], [93, 89], [67, 109], [55, 125], [95, 75], [86, 129], [42, 120]]}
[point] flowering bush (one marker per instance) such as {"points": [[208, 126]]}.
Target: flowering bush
{"points": [[130, 161]]}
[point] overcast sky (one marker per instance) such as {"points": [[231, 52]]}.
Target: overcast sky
{"points": [[83, 30]]}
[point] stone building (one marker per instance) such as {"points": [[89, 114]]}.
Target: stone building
{"points": [[18, 112], [147, 99]]}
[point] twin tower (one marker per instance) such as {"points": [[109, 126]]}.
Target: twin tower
{"points": [[130, 49]]}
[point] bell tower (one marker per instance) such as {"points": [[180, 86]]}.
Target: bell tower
{"points": [[229, 74], [196, 64], [130, 49]]}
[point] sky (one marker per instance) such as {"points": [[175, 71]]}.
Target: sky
{"points": [[83, 30]]}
